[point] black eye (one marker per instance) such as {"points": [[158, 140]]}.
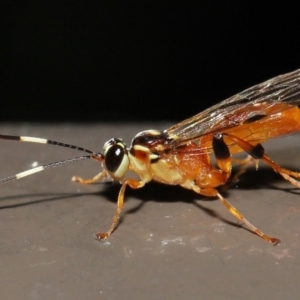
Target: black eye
{"points": [[114, 157]]}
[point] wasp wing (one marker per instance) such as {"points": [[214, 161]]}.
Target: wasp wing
{"points": [[254, 105]]}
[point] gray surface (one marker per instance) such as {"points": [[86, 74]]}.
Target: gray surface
{"points": [[171, 243]]}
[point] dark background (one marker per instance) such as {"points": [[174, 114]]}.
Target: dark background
{"points": [[136, 61]]}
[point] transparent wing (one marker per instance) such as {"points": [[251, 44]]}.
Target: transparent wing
{"points": [[252, 104]]}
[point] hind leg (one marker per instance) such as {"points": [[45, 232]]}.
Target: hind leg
{"points": [[258, 152]]}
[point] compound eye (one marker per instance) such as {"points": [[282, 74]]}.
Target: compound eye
{"points": [[116, 158]]}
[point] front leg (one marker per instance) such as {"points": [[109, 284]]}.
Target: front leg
{"points": [[134, 184], [103, 175]]}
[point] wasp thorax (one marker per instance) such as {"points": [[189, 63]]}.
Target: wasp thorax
{"points": [[150, 138], [116, 158]]}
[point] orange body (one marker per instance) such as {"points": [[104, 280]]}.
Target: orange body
{"points": [[181, 154]]}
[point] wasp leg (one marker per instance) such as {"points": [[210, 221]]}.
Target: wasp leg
{"points": [[224, 163], [134, 184], [211, 192], [285, 173], [244, 161], [101, 175], [243, 164], [222, 154], [258, 152], [240, 217]]}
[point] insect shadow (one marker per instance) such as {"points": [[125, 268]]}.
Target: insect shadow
{"points": [[264, 178], [42, 197], [252, 179]]}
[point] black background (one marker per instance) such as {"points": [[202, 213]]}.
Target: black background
{"points": [[133, 61]]}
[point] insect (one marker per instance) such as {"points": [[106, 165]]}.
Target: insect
{"points": [[181, 155]]}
